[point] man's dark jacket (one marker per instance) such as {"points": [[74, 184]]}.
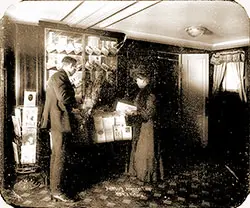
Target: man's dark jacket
{"points": [[60, 98]]}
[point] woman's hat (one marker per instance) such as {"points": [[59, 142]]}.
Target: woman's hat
{"points": [[140, 71]]}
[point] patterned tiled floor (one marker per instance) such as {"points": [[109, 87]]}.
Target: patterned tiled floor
{"points": [[200, 186]]}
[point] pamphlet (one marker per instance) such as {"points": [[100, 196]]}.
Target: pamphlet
{"points": [[100, 135], [108, 123], [123, 107], [17, 127], [30, 116], [15, 152], [28, 148], [127, 133], [18, 115], [111, 127]]}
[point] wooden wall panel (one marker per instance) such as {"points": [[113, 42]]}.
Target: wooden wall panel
{"points": [[29, 55]]}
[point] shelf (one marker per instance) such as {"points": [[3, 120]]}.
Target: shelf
{"points": [[102, 55], [65, 53]]}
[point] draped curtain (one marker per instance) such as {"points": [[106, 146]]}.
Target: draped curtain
{"points": [[239, 66], [219, 74], [225, 64]]}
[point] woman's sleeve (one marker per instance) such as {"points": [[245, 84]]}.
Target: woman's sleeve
{"points": [[148, 112]]}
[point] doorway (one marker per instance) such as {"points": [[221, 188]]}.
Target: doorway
{"points": [[194, 95]]}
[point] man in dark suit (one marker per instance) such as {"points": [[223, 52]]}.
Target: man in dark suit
{"points": [[57, 116]]}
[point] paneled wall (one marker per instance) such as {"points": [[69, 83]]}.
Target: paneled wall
{"points": [[24, 53], [9, 101], [29, 53]]}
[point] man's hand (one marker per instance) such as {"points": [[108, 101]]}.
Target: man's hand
{"points": [[76, 110], [88, 103], [79, 99]]}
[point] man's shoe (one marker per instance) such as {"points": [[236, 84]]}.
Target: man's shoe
{"points": [[60, 197]]}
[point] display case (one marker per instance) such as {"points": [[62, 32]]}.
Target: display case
{"points": [[100, 61], [96, 57], [25, 140], [58, 44]]}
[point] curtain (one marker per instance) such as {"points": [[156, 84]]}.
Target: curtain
{"points": [[228, 56], [240, 71], [219, 74], [225, 64]]}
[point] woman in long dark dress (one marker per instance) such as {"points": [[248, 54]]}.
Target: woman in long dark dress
{"points": [[145, 161]]}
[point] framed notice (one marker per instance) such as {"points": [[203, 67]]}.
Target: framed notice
{"points": [[29, 98]]}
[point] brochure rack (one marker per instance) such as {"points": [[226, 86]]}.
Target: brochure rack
{"points": [[25, 140]]}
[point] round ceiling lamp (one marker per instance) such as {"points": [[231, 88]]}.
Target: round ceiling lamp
{"points": [[195, 31]]}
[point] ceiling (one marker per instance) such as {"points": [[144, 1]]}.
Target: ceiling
{"points": [[155, 21]]}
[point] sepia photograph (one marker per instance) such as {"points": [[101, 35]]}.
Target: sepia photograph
{"points": [[125, 104]]}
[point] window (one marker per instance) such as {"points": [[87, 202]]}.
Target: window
{"points": [[231, 81]]}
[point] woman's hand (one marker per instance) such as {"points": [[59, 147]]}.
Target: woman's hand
{"points": [[131, 112], [75, 110]]}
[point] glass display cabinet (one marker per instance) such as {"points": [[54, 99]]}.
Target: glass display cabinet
{"points": [[59, 44], [96, 57]]}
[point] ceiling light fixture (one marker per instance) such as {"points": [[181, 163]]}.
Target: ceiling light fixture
{"points": [[195, 31]]}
